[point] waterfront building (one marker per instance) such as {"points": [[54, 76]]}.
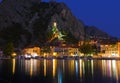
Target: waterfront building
{"points": [[110, 50], [32, 51], [65, 51], [118, 48]]}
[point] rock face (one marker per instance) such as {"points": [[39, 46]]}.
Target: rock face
{"points": [[93, 32], [15, 11], [14, 18], [48, 13], [25, 22], [66, 21]]}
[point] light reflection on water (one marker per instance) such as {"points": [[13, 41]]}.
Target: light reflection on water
{"points": [[64, 71], [110, 68], [13, 67], [54, 67], [29, 67], [45, 68]]}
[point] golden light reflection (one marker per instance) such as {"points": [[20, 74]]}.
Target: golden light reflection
{"points": [[72, 66], [115, 71], [35, 67], [27, 66], [13, 67], [54, 67], [45, 68], [81, 71], [118, 67], [31, 68], [109, 68], [83, 67], [92, 67], [104, 68]]}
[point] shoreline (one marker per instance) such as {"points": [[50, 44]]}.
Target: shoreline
{"points": [[64, 58]]}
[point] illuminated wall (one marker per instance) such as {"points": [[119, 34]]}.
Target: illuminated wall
{"points": [[118, 48], [109, 50], [32, 50], [63, 51]]}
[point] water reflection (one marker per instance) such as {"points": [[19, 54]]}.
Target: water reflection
{"points": [[81, 66], [59, 76], [65, 71], [76, 68], [13, 67], [107, 67], [92, 68], [115, 71], [54, 67], [110, 69], [30, 67], [71, 67], [45, 68]]}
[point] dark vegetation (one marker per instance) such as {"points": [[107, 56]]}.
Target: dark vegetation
{"points": [[14, 34]]}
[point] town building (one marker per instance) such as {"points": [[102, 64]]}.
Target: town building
{"points": [[110, 50], [32, 51]]}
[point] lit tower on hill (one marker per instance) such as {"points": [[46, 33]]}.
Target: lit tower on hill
{"points": [[55, 32]]}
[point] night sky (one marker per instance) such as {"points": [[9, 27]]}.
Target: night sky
{"points": [[104, 14]]}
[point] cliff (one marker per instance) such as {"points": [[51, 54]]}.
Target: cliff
{"points": [[26, 22], [92, 32], [29, 22]]}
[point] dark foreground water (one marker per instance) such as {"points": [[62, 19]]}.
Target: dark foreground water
{"points": [[59, 71]]}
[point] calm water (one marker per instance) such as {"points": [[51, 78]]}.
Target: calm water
{"points": [[59, 71]]}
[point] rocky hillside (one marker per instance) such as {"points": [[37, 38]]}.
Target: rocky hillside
{"points": [[26, 22], [14, 18], [15, 11], [92, 32], [29, 22]]}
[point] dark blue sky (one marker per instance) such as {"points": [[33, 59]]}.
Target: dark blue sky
{"points": [[104, 14]]}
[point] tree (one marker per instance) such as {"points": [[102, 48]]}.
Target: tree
{"points": [[8, 49], [86, 49], [95, 49], [70, 39], [46, 49]]}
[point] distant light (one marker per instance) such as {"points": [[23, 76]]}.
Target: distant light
{"points": [[34, 55], [27, 56], [55, 54], [55, 24], [71, 54], [14, 54]]}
